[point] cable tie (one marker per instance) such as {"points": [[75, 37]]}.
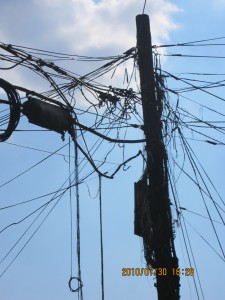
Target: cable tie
{"points": [[183, 208], [211, 142]]}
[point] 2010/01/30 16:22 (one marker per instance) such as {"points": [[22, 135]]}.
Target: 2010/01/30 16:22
{"points": [[157, 271]]}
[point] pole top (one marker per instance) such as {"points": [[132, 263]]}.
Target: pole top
{"points": [[143, 17], [143, 22], [143, 31]]}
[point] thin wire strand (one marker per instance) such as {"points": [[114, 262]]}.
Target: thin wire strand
{"points": [[143, 11], [101, 236]]}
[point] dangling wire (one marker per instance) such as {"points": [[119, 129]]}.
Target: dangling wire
{"points": [[101, 237], [78, 278], [71, 214], [78, 217]]}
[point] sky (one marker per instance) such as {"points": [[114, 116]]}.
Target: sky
{"points": [[103, 28]]}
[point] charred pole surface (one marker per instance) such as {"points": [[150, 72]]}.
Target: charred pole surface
{"points": [[153, 190]]}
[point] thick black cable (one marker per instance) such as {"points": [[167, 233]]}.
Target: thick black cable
{"points": [[64, 54], [108, 138], [97, 170]]}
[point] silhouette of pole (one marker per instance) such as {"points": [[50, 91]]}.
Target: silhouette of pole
{"points": [[157, 233]]}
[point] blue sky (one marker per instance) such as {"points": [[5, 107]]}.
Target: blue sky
{"points": [[103, 28]]}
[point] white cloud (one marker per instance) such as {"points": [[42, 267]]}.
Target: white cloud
{"points": [[219, 4], [82, 27], [110, 23]]}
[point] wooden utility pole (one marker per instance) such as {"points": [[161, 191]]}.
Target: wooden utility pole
{"points": [[156, 221]]}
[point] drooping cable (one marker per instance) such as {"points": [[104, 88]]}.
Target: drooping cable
{"points": [[101, 236], [193, 258], [177, 202], [80, 292], [30, 236], [71, 214], [196, 173], [204, 239], [33, 166]]}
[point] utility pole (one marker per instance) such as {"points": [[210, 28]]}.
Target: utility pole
{"points": [[152, 191]]}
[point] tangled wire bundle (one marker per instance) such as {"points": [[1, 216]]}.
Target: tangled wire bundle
{"points": [[12, 119]]}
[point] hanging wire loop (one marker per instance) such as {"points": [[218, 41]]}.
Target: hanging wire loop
{"points": [[80, 284]]}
